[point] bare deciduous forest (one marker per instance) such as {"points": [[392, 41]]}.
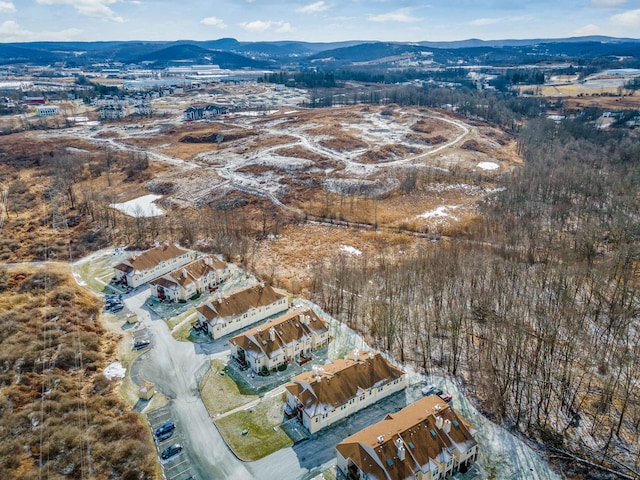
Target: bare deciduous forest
{"points": [[536, 310]]}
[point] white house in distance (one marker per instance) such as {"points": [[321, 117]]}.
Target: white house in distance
{"points": [[240, 309], [291, 337], [194, 278], [47, 110], [150, 264], [332, 392], [424, 441]]}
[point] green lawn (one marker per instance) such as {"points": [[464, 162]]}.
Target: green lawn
{"points": [[180, 325], [261, 427], [220, 393], [96, 273]]}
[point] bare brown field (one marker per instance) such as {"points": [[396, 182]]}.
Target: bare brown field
{"points": [[296, 158], [289, 260], [387, 152], [628, 102], [343, 142], [61, 416]]}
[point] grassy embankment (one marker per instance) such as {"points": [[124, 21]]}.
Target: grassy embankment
{"points": [[251, 432]]}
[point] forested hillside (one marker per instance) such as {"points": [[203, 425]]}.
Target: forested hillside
{"points": [[536, 310]]}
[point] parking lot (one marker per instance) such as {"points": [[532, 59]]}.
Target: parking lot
{"points": [[178, 466]]}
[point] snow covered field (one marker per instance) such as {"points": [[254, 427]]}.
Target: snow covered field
{"points": [[140, 207]]}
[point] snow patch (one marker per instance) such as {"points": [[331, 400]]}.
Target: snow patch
{"points": [[140, 207], [114, 370], [350, 250], [76, 150], [488, 166], [440, 212]]}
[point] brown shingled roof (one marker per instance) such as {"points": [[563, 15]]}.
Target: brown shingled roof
{"points": [[415, 428], [288, 328], [154, 256], [343, 380], [239, 302], [190, 272], [163, 282], [124, 267]]}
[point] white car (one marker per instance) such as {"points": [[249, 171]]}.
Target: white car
{"points": [[429, 389]]}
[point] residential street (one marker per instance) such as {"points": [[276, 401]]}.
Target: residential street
{"points": [[171, 366]]}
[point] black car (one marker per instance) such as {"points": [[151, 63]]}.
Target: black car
{"points": [[115, 308], [169, 452], [162, 430], [140, 344]]}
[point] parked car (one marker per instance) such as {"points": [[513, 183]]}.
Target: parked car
{"points": [[445, 396], [141, 344], [115, 308], [164, 429], [171, 451], [429, 389]]}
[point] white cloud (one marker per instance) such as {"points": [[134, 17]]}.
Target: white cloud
{"points": [[314, 8], [90, 8], [214, 21], [401, 15], [608, 3], [630, 18], [479, 22], [262, 26], [10, 31], [587, 30], [7, 7]]}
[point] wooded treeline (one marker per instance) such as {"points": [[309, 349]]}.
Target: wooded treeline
{"points": [[536, 310]]}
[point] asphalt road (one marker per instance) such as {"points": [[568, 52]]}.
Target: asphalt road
{"points": [[172, 367]]}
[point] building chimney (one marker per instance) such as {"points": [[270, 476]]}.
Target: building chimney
{"points": [[355, 355], [439, 422], [401, 450], [272, 334], [447, 426]]}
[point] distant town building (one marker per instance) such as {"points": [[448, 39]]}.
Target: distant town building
{"points": [[143, 109], [33, 100], [240, 309], [200, 113], [291, 337], [47, 111], [112, 112], [332, 392], [153, 263], [424, 441]]}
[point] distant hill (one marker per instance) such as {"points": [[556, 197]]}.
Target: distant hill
{"points": [[369, 52], [231, 53], [474, 42], [17, 54], [197, 54]]}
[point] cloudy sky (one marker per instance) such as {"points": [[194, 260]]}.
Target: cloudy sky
{"points": [[315, 21]]}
